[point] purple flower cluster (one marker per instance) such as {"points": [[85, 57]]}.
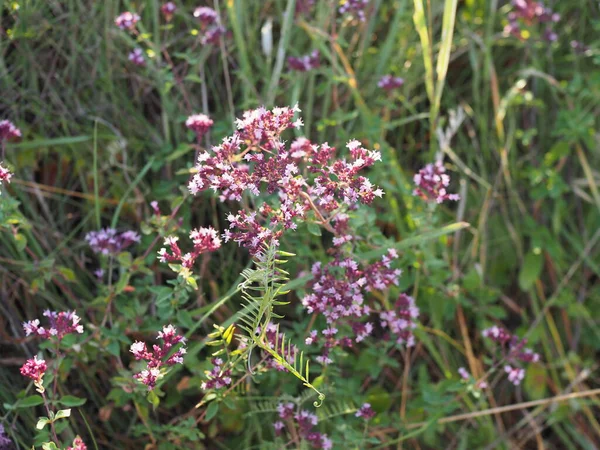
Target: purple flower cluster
{"points": [[60, 324], [218, 377], [513, 350], [305, 177], [34, 369], [167, 10], [304, 6], [466, 376], [354, 8], [204, 240], [127, 20], [8, 131], [303, 423], [365, 411], [136, 56], [305, 63], [528, 13], [210, 24], [109, 242], [5, 442], [389, 82], [401, 321], [338, 293], [431, 183], [200, 124], [159, 356]]}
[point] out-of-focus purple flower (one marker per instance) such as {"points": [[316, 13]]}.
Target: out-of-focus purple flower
{"points": [[305, 63], [167, 10], [60, 324], [463, 373], [204, 239], [431, 183], [199, 123], [304, 6], [159, 356], [513, 350], [389, 82], [78, 444], [515, 374], [527, 13], [155, 208], [218, 377], [206, 15], [402, 320], [99, 273], [5, 442], [8, 131], [354, 8], [108, 241], [579, 47], [34, 369], [127, 20], [213, 34], [285, 410], [365, 411], [278, 426], [137, 57]]}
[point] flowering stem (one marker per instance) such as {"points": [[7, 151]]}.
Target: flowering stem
{"points": [[324, 222], [51, 421]]}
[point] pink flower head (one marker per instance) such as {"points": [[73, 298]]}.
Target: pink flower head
{"points": [[463, 373], [8, 131], [354, 8], [108, 241], [431, 183], [305, 63], [204, 239], [278, 426], [34, 369], [389, 82], [60, 324], [127, 20], [167, 10], [218, 377], [285, 410], [78, 444], [213, 34], [402, 321], [159, 356], [515, 374], [199, 123], [137, 57], [206, 15], [5, 174], [365, 411]]}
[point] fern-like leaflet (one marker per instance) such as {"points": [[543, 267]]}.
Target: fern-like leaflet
{"points": [[260, 289]]}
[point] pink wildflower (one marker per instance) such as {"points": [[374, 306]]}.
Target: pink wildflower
{"points": [[354, 8], [127, 20], [199, 123], [515, 374], [5, 174], [389, 82], [305, 63], [8, 131], [109, 242], [60, 324], [431, 183], [137, 57], [78, 444], [204, 239], [401, 321], [218, 377], [167, 10], [159, 356], [34, 369], [365, 411]]}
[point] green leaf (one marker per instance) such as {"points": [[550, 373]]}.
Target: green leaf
{"points": [[42, 422], [531, 269], [153, 399], [63, 413], [315, 229], [211, 411], [67, 273], [28, 402], [49, 446], [71, 400]]}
